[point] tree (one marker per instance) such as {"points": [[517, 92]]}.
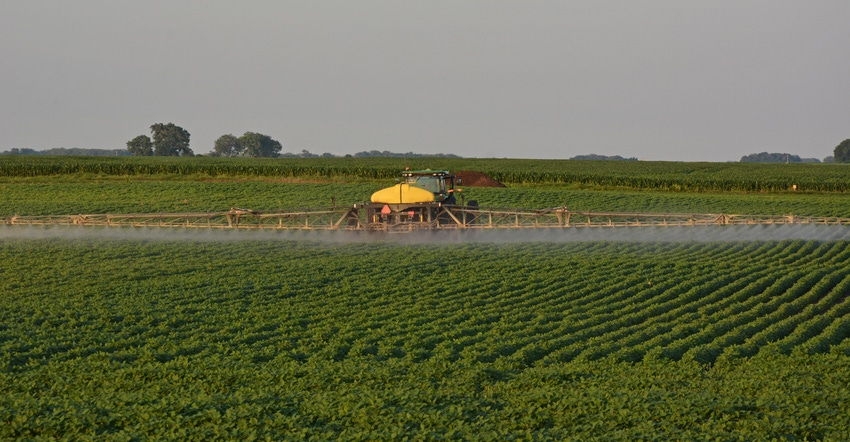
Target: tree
{"points": [[22, 151], [259, 145], [140, 146], [597, 157], [765, 157], [170, 140], [842, 152], [227, 146]]}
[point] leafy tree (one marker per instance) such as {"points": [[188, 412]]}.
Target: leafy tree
{"points": [[170, 140], [596, 157], [765, 157], [842, 152], [388, 154], [140, 146], [22, 151], [258, 145], [227, 146], [85, 152]]}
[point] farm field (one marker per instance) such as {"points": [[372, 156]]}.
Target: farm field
{"points": [[691, 334], [643, 175], [271, 338], [31, 185], [169, 195]]}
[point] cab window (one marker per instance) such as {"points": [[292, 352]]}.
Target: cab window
{"points": [[431, 183]]}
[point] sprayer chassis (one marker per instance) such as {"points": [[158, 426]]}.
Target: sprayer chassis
{"points": [[380, 217]]}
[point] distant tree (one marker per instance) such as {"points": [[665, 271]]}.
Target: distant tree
{"points": [[259, 146], [170, 140], [22, 151], [227, 146], [842, 152], [596, 157], [829, 159], [140, 146], [85, 152], [73, 151], [388, 154], [765, 157]]}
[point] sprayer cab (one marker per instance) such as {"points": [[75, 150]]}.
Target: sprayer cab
{"points": [[439, 182]]}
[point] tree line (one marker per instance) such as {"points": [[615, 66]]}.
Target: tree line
{"points": [[841, 154], [765, 157], [169, 140], [172, 140], [68, 152], [595, 157]]}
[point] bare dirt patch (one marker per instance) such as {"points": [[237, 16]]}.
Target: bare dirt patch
{"points": [[476, 179]]}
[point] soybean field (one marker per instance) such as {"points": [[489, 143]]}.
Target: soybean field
{"points": [[153, 338], [738, 333], [64, 197]]}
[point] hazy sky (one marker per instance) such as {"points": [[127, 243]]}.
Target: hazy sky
{"points": [[684, 80]]}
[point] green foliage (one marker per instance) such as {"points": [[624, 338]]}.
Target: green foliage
{"points": [[52, 198], [250, 335], [596, 157], [72, 151], [765, 157], [57, 196], [227, 146], [276, 339], [842, 152], [170, 140], [259, 146], [21, 151], [140, 146], [605, 175]]}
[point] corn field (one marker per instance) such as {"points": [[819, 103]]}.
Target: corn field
{"points": [[666, 176]]}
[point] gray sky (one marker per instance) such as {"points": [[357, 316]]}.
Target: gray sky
{"points": [[658, 80]]}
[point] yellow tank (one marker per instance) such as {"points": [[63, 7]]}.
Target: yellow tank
{"points": [[403, 193]]}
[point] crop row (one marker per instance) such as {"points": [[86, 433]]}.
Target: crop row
{"points": [[135, 196], [153, 338], [666, 176], [573, 307]]}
